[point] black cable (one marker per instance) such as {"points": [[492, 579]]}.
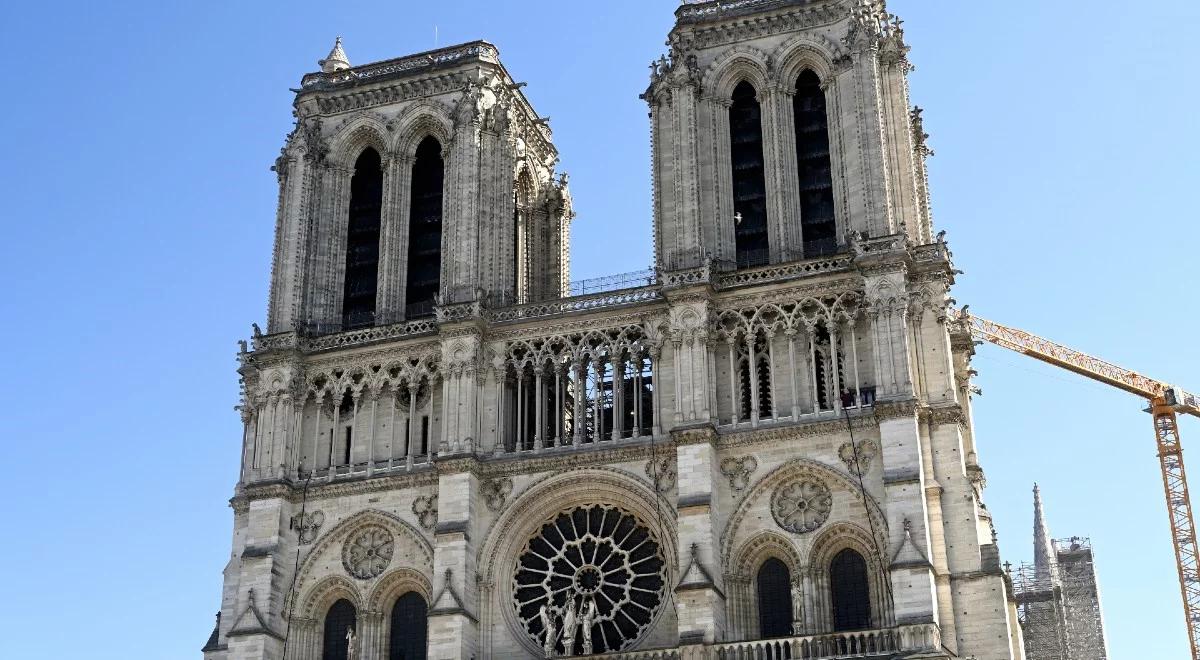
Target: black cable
{"points": [[887, 582], [287, 631]]}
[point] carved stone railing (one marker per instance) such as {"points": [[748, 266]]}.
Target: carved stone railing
{"points": [[693, 11], [786, 271], [834, 646], [577, 304], [398, 66], [372, 334]]}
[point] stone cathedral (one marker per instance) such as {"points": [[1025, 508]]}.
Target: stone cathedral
{"points": [[762, 447]]}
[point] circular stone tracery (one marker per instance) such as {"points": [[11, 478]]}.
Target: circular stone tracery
{"points": [[368, 553], [801, 505], [592, 553]]}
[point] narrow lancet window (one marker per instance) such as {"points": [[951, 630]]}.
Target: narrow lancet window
{"points": [[814, 170], [749, 178], [851, 594], [774, 600], [340, 619], [409, 628], [362, 241], [425, 230]]}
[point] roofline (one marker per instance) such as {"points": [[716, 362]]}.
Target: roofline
{"points": [[478, 50]]}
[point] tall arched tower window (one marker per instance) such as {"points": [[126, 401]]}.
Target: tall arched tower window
{"points": [[338, 621], [362, 241], [749, 178], [409, 628], [425, 229], [815, 172], [774, 600], [850, 593]]}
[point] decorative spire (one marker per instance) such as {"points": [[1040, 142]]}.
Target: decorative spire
{"points": [[336, 60], [1043, 547]]}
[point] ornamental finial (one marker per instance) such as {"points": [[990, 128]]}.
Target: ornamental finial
{"points": [[336, 60]]}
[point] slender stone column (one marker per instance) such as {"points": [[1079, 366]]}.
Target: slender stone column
{"points": [[558, 404], [655, 362], [539, 406], [578, 402], [618, 390], [791, 341], [752, 363], [373, 397], [734, 390], [413, 421]]}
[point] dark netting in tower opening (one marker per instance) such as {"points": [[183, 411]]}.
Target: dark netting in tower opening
{"points": [[407, 640], [425, 230], [813, 168], [774, 600], [850, 592], [340, 619], [749, 179], [362, 241]]}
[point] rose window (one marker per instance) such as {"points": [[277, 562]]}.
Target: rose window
{"points": [[802, 505], [598, 572], [368, 553]]}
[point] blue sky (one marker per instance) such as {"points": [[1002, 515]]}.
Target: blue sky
{"points": [[138, 209]]}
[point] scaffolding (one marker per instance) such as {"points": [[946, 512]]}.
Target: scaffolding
{"points": [[1058, 605]]}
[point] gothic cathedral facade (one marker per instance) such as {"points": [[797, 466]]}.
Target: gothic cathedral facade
{"points": [[764, 448]]}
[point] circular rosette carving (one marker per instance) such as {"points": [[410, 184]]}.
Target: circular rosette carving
{"points": [[801, 505], [592, 554], [368, 553]]}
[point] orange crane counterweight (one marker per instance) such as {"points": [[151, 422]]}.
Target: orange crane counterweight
{"points": [[1166, 402]]}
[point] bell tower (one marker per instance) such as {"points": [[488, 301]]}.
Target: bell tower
{"points": [[410, 183], [781, 129]]}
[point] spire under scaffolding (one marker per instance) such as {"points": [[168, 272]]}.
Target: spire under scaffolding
{"points": [[1043, 546], [1058, 597]]}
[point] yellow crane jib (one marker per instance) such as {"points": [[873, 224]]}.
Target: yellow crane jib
{"points": [[1166, 403]]}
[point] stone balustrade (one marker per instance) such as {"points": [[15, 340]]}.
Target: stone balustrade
{"points": [[833, 646]]}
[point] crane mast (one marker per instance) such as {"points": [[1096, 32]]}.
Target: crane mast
{"points": [[1166, 403]]}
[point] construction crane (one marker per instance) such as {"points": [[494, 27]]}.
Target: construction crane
{"points": [[1166, 403]]}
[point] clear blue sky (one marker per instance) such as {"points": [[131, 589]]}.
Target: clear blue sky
{"points": [[138, 210]]}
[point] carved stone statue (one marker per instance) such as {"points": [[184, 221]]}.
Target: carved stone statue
{"points": [[570, 625], [548, 625], [589, 617], [350, 654], [797, 605]]}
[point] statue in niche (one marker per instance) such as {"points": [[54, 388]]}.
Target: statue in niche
{"points": [[547, 617], [797, 607], [350, 655], [569, 627], [589, 617]]}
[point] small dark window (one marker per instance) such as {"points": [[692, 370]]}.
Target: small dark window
{"points": [[814, 169], [774, 600], [425, 230], [425, 435], [850, 592], [349, 444], [409, 628], [338, 621], [749, 177], [362, 241]]}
